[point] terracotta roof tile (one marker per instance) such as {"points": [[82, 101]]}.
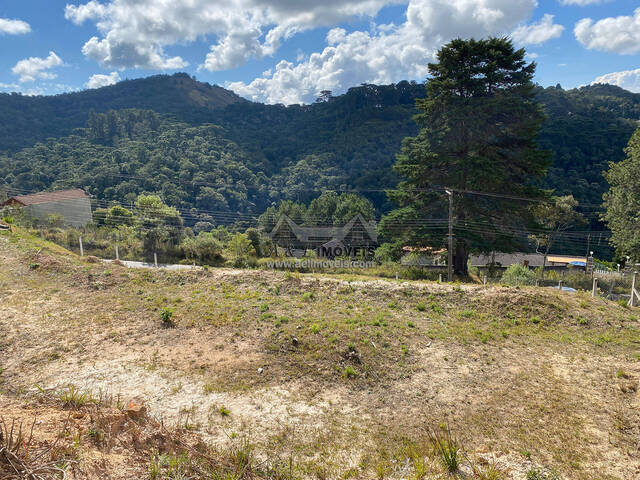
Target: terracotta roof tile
{"points": [[46, 197]]}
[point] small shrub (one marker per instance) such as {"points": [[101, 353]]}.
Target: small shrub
{"points": [[166, 315], [224, 411], [518, 275], [349, 372], [421, 307]]}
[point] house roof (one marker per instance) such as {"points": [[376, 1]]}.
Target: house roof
{"points": [[534, 259], [47, 197], [306, 234], [427, 250]]}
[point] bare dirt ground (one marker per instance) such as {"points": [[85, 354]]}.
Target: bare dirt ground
{"points": [[340, 377]]}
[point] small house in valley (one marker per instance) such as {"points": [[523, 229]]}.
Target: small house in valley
{"points": [[355, 237], [74, 206], [530, 260]]}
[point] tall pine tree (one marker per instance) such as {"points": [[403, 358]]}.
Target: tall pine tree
{"points": [[479, 124]]}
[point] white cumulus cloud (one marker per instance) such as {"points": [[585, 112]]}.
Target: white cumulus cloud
{"points": [[135, 33], [100, 80], [612, 34], [13, 27], [538, 32], [580, 3], [34, 67], [387, 53], [627, 79]]}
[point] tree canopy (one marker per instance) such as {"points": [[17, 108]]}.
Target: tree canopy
{"points": [[479, 124], [622, 201]]}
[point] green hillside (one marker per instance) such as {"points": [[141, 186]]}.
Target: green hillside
{"points": [[259, 154]]}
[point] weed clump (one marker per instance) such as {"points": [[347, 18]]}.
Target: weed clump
{"points": [[446, 448], [166, 316], [73, 397]]}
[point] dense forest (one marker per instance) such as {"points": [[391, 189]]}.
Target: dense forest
{"points": [[201, 146]]}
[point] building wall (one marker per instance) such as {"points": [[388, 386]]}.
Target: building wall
{"points": [[76, 211]]}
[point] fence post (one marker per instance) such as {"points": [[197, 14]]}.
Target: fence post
{"points": [[117, 253], [560, 285], [484, 280], [440, 278], [594, 290], [81, 248], [633, 301], [155, 259]]}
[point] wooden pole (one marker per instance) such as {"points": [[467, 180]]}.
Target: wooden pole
{"points": [[560, 285], [450, 242], [155, 259], [594, 290], [117, 253], [81, 248], [633, 301]]}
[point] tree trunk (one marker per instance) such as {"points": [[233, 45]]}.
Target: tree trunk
{"points": [[461, 258]]}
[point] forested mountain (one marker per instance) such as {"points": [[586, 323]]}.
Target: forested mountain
{"points": [[207, 148], [25, 120]]}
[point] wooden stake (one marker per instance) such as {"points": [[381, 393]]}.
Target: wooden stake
{"points": [[155, 259], [81, 248], [594, 290], [633, 301]]}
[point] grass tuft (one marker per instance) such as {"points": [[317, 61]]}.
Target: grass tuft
{"points": [[446, 448]]}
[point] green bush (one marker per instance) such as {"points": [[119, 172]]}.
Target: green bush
{"points": [[204, 248], [388, 252], [166, 315], [241, 252], [518, 275]]}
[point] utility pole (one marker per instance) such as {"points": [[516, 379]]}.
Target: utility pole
{"points": [[588, 245], [450, 245]]}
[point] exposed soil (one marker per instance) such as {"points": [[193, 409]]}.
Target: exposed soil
{"points": [[527, 379]]}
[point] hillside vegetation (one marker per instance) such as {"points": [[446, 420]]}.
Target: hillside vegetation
{"points": [[311, 376], [355, 136]]}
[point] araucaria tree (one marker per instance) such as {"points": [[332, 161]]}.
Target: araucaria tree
{"points": [[622, 201], [479, 124]]}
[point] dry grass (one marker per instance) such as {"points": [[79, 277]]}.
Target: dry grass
{"points": [[338, 373]]}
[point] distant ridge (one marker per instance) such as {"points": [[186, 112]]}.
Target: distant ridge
{"points": [[28, 119]]}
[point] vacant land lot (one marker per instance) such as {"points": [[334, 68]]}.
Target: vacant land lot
{"points": [[318, 376]]}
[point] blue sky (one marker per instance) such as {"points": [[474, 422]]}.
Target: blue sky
{"points": [[286, 51]]}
